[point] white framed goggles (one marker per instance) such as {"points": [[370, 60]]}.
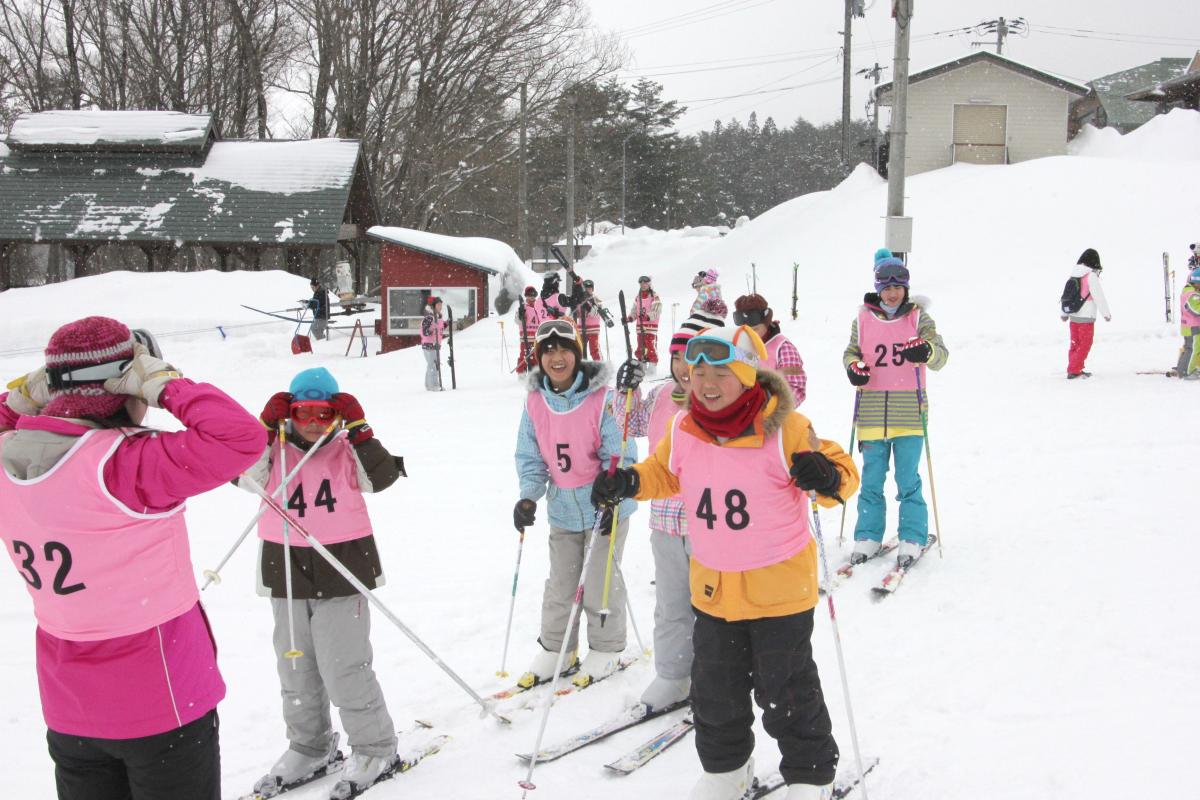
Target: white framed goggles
{"points": [[715, 351], [65, 377], [555, 327]]}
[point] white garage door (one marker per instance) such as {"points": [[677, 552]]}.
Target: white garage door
{"points": [[980, 133]]}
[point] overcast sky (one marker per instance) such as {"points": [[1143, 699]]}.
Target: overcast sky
{"points": [[720, 48]]}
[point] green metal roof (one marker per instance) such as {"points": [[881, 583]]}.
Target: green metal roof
{"points": [[237, 193], [1111, 90]]}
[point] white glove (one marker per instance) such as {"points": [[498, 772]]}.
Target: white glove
{"points": [[29, 393], [144, 377]]}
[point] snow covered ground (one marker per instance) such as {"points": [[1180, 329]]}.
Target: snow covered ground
{"points": [[1048, 655]]}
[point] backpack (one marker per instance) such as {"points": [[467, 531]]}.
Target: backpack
{"points": [[1072, 296]]}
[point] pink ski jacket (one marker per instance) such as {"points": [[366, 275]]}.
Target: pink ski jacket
{"points": [[164, 677]]}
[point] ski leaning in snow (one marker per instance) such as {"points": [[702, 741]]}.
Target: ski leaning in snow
{"points": [[891, 582], [345, 790], [641, 755], [634, 715], [841, 787], [846, 570]]}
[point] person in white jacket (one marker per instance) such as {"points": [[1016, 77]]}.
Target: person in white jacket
{"points": [[1083, 321]]}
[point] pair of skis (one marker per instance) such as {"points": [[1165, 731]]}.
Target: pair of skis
{"points": [[346, 790], [518, 689], [894, 577], [631, 717]]}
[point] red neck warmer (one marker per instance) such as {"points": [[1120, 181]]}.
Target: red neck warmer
{"points": [[733, 420]]}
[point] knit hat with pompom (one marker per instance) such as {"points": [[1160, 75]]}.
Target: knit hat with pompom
{"points": [[85, 343]]}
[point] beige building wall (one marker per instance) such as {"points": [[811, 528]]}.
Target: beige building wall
{"points": [[1036, 122]]}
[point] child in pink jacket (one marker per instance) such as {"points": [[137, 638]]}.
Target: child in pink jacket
{"points": [[126, 661]]}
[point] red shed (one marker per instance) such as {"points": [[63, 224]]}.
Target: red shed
{"points": [[414, 264]]}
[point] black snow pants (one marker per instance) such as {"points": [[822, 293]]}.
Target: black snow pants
{"points": [[181, 764], [773, 658]]}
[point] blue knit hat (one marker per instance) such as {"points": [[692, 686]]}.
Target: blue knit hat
{"points": [[313, 384]]}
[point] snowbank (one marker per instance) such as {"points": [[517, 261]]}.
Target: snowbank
{"points": [[1174, 136]]}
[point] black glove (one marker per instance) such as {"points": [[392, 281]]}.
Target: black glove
{"points": [[606, 520], [814, 472], [523, 513], [858, 373], [630, 374], [608, 490], [917, 350]]}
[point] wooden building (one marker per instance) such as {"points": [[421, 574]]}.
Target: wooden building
{"points": [[416, 264], [84, 192], [983, 109]]}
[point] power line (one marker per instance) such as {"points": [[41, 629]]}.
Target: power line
{"points": [[837, 77], [1122, 38], [702, 15]]}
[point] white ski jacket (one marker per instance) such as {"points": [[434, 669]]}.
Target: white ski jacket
{"points": [[1093, 298]]}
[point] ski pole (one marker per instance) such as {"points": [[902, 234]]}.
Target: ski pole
{"points": [[929, 460], [612, 538], [292, 653], [837, 642], [366, 593], [853, 430], [502, 672], [212, 576], [527, 783], [632, 622]]}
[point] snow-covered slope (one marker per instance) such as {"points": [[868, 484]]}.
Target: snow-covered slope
{"points": [[1048, 655]]}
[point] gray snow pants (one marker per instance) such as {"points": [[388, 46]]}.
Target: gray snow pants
{"points": [[319, 329], [566, 562], [335, 637], [432, 380], [673, 615]]}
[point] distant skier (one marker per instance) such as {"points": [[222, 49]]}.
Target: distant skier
{"points": [[319, 306], [892, 341], [567, 435], [433, 334], [1083, 317], [592, 314], [1188, 367], [94, 521], [707, 291], [782, 355], [673, 617], [647, 308], [744, 462], [529, 315], [332, 622]]}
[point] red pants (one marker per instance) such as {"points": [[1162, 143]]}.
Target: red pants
{"points": [[526, 360], [1081, 345], [593, 340], [647, 339]]}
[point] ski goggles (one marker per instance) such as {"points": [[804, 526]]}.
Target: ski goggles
{"points": [[643, 279], [589, 285], [555, 327], [307, 411], [751, 318], [891, 275], [65, 377], [717, 352]]}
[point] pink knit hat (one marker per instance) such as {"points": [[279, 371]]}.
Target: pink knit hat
{"points": [[83, 343]]}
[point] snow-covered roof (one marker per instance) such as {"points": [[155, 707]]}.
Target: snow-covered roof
{"points": [[985, 55], [490, 255], [258, 193], [110, 130], [279, 167]]}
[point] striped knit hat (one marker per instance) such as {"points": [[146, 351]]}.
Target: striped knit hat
{"points": [[84, 343], [706, 317]]}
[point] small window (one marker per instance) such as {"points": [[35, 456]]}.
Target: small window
{"points": [[406, 306]]}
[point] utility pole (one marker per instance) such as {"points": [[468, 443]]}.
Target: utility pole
{"points": [[898, 234], [853, 8], [523, 181], [571, 178], [1002, 28], [873, 109]]}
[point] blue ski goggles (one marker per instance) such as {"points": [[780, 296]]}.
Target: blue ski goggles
{"points": [[717, 352], [891, 275]]}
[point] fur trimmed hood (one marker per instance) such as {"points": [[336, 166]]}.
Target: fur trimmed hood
{"points": [[597, 375], [919, 301], [776, 388]]}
